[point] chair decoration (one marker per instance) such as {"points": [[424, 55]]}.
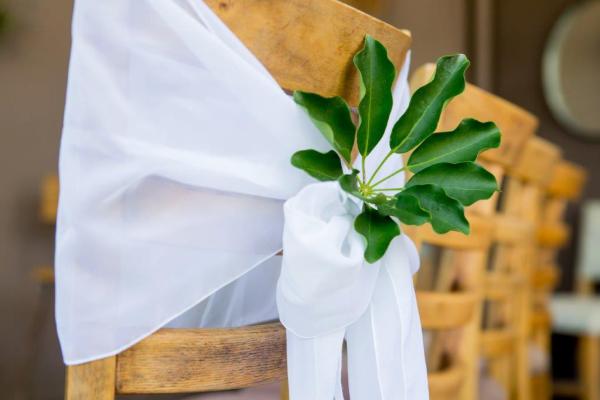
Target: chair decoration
{"points": [[174, 168], [370, 305]]}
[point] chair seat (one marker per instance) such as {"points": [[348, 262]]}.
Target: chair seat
{"points": [[576, 314]]}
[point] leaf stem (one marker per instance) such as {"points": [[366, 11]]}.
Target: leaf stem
{"points": [[379, 167], [389, 190], [388, 177], [364, 172]]}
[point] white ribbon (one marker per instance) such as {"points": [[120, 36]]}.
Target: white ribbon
{"points": [[327, 292]]}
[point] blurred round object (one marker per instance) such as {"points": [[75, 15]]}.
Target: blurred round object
{"points": [[571, 69]]}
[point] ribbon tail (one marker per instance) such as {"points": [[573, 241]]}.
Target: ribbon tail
{"points": [[385, 346], [314, 366]]}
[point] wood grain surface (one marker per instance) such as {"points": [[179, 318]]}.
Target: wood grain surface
{"points": [[309, 44], [200, 360]]}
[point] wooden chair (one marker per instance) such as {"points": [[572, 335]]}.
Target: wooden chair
{"points": [[504, 346], [570, 314], [44, 275], [307, 45], [451, 317], [524, 190]]}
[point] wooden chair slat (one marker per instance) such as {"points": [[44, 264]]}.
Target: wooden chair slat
{"points": [[446, 384], [512, 230], [545, 277], [49, 199], [199, 360], [497, 343], [568, 180], [445, 310], [92, 380], [479, 237], [554, 235], [500, 286], [516, 124], [540, 320], [308, 44], [536, 161]]}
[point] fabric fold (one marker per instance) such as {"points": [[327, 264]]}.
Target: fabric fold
{"points": [[327, 292]]}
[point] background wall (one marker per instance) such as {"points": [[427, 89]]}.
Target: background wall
{"points": [[33, 66]]}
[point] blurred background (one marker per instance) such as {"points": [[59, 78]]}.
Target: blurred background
{"points": [[510, 43]]}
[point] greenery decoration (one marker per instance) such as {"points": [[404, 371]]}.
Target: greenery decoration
{"points": [[446, 177]]}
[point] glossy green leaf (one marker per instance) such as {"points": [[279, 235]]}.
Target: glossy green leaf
{"points": [[378, 230], [460, 145], [377, 75], [466, 182], [406, 208], [423, 113], [332, 117], [447, 214], [322, 166], [349, 183]]}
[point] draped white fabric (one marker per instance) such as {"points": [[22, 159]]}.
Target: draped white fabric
{"points": [[174, 167], [327, 292]]}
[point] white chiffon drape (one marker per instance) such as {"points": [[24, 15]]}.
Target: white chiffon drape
{"points": [[174, 167]]}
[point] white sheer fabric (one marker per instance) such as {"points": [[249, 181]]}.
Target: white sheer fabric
{"points": [[174, 167], [327, 292]]}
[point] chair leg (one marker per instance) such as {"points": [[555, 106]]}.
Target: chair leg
{"points": [[95, 380], [284, 393], [523, 378], [589, 366]]}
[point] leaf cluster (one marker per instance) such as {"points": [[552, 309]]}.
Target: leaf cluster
{"points": [[446, 177]]}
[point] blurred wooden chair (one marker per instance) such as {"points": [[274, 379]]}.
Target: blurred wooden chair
{"points": [[307, 45], [524, 192], [44, 275], [49, 199], [578, 314], [451, 317], [504, 342]]}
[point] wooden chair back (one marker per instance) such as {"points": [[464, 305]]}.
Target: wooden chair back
{"points": [[500, 282], [185, 361], [307, 45], [524, 190], [565, 186], [451, 317]]}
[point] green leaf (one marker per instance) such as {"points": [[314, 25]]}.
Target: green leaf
{"points": [[377, 75], [406, 208], [322, 166], [379, 231], [466, 182], [447, 214], [460, 145], [349, 183], [332, 117], [423, 113]]}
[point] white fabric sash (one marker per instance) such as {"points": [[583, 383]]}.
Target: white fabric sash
{"points": [[327, 292], [174, 167]]}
